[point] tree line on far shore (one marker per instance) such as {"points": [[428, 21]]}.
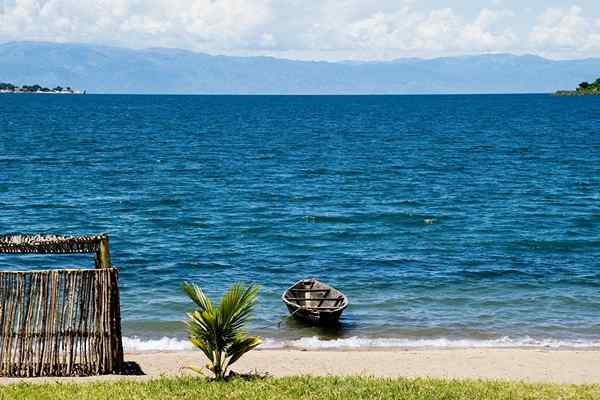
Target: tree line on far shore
{"points": [[586, 87], [9, 87]]}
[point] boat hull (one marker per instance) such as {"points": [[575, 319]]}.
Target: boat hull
{"points": [[314, 302], [315, 318]]}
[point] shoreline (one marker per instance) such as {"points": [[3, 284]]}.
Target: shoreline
{"points": [[423, 349], [574, 93], [416, 349], [561, 366], [136, 344]]}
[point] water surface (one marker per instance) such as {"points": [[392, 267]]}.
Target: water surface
{"points": [[447, 220]]}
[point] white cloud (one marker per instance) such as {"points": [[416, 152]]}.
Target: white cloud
{"points": [[186, 23], [566, 30], [324, 29], [488, 32], [406, 30]]}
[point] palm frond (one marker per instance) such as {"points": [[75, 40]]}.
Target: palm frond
{"points": [[204, 347], [195, 369], [219, 331], [241, 346], [237, 305], [197, 295]]}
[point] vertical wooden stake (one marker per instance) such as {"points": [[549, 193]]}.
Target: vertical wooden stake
{"points": [[104, 254]]}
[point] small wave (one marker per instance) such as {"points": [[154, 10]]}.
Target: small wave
{"points": [[167, 344], [188, 223], [138, 345], [169, 201], [316, 172], [314, 343], [370, 217], [208, 264], [554, 246], [484, 274]]}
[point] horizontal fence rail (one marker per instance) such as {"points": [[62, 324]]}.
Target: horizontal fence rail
{"points": [[50, 244]]}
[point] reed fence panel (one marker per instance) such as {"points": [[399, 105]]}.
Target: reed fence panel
{"points": [[63, 322]]}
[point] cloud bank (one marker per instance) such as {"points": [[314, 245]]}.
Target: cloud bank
{"points": [[327, 29]]}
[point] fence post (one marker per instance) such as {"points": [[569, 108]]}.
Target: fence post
{"points": [[103, 256]]}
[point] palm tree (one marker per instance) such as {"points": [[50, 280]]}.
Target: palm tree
{"points": [[219, 331]]}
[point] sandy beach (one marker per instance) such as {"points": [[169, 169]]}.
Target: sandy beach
{"points": [[540, 366]]}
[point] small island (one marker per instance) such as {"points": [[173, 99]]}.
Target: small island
{"points": [[584, 89], [11, 88]]}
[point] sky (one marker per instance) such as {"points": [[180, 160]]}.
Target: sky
{"points": [[316, 29]]}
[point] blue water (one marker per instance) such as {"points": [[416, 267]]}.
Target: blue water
{"points": [[445, 219]]}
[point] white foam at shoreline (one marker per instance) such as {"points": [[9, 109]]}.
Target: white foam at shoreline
{"points": [[138, 345], [437, 343]]}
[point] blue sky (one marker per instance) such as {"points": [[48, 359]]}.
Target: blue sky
{"points": [[316, 29]]}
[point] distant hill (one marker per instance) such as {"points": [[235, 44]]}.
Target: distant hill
{"points": [[159, 70]]}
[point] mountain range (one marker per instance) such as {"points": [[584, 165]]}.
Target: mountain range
{"points": [[104, 69]]}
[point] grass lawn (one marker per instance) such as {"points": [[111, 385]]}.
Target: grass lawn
{"points": [[298, 388]]}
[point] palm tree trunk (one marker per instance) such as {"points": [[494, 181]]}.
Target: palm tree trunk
{"points": [[219, 373]]}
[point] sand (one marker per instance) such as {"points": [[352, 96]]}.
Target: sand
{"points": [[544, 366]]}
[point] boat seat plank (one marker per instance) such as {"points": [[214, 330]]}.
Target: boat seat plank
{"points": [[311, 298]]}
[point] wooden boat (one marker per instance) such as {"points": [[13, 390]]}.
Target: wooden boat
{"points": [[314, 302]]}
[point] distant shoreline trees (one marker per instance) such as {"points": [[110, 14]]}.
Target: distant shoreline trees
{"points": [[589, 87], [11, 88], [584, 89]]}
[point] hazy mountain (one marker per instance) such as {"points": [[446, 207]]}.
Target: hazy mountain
{"points": [[159, 70]]}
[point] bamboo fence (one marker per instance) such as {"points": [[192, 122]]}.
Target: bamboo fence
{"points": [[60, 322]]}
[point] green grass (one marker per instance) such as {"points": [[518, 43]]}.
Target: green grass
{"points": [[298, 388]]}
